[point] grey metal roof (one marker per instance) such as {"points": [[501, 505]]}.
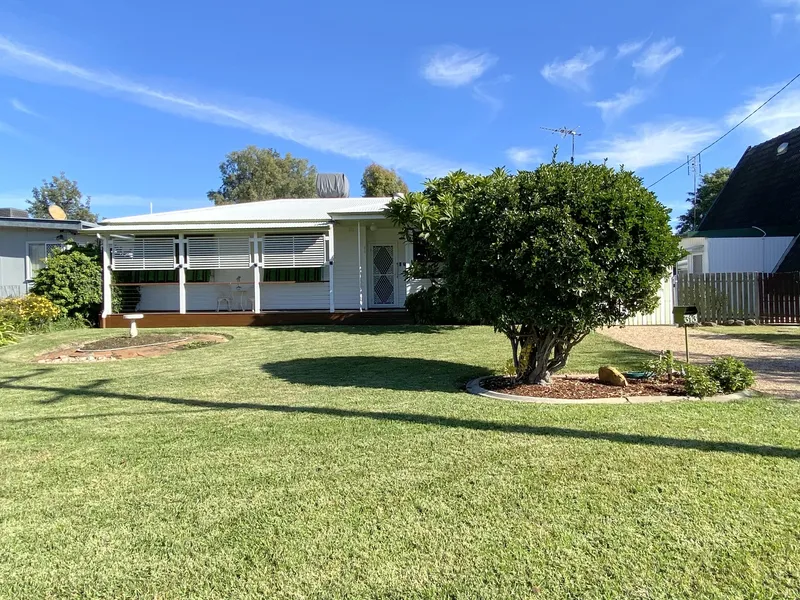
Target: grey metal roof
{"points": [[31, 223]]}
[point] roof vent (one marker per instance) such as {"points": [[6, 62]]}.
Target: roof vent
{"points": [[783, 148]]}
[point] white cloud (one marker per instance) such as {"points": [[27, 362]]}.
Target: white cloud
{"points": [[628, 48], [453, 66], [20, 107], [523, 157], [614, 107], [654, 144], [657, 56], [777, 117], [262, 117], [574, 72]]}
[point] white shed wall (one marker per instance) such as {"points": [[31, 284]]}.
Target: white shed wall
{"points": [[744, 255]]}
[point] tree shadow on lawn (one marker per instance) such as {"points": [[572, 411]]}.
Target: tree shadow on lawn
{"points": [[96, 390], [378, 372]]}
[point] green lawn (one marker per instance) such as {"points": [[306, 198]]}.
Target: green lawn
{"points": [[787, 336], [346, 463]]}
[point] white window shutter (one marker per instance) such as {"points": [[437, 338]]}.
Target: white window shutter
{"points": [[218, 253], [293, 251], [143, 254]]}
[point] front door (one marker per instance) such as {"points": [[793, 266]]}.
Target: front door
{"points": [[383, 289]]}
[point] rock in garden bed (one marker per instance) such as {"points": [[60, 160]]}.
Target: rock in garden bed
{"points": [[583, 387], [124, 347]]}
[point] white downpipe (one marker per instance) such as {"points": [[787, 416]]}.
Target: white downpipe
{"points": [[181, 274], [360, 273], [330, 267], [107, 308], [256, 275]]}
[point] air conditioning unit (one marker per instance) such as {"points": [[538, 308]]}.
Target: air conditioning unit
{"points": [[14, 213]]}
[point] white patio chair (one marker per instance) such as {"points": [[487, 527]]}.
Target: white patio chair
{"points": [[225, 297]]}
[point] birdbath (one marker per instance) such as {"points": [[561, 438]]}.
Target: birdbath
{"points": [[133, 318]]}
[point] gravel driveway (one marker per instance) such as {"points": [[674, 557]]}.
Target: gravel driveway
{"points": [[777, 368]]}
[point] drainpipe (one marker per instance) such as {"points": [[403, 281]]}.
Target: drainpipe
{"points": [[763, 248]]}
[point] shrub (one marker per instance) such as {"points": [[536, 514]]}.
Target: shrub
{"points": [[28, 313], [72, 280], [663, 366], [698, 382], [8, 334], [430, 307], [731, 374]]}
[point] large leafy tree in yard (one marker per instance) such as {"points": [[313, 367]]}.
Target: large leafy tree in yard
{"points": [[64, 193], [380, 182], [544, 256], [256, 174], [708, 190]]}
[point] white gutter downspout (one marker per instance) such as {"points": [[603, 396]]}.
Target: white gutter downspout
{"points": [[763, 248]]}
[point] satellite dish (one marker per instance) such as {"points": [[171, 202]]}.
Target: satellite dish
{"points": [[56, 212]]}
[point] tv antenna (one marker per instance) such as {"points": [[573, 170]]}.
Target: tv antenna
{"points": [[694, 166], [564, 132]]}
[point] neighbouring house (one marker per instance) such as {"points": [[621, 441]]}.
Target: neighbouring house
{"points": [[289, 261], [754, 223], [25, 243]]}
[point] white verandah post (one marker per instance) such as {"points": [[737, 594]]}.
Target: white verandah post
{"points": [[360, 272], [330, 267], [256, 274], [181, 274], [107, 306]]}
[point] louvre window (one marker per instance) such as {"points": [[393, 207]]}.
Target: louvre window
{"points": [[143, 254], [218, 253], [293, 251]]}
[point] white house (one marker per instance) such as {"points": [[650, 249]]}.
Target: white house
{"points": [[275, 261], [25, 243]]}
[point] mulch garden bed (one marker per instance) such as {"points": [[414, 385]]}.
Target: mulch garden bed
{"points": [[143, 339], [584, 387], [145, 345]]}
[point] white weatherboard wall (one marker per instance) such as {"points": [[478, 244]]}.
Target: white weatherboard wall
{"points": [[14, 251], [345, 265], [295, 296], [744, 255], [159, 298]]}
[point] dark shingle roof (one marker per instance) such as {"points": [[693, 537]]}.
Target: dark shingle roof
{"points": [[791, 260], [763, 190]]}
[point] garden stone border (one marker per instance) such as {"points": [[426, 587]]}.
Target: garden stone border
{"points": [[474, 387]]}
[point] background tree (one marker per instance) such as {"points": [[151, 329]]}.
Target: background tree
{"points": [[256, 174], [380, 182], [64, 193], [545, 256], [708, 190]]}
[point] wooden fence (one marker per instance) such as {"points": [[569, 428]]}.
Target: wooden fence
{"points": [[765, 297], [779, 297]]}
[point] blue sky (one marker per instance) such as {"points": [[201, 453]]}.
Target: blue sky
{"points": [[139, 102]]}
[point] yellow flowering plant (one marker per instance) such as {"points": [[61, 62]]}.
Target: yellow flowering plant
{"points": [[28, 312]]}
